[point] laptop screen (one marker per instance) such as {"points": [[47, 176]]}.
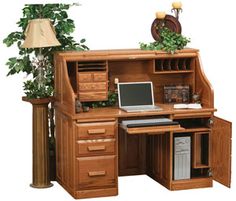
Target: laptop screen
{"points": [[135, 94]]}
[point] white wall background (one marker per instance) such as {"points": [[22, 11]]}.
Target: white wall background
{"points": [[112, 24]]}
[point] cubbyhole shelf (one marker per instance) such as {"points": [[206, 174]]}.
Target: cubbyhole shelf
{"points": [[87, 66], [173, 65], [200, 173], [201, 151], [195, 125]]}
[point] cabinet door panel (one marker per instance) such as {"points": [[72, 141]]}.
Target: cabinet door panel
{"points": [[221, 151]]}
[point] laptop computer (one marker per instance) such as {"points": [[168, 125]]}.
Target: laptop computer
{"points": [[136, 96]]}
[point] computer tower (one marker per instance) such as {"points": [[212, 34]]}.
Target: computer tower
{"points": [[182, 157]]}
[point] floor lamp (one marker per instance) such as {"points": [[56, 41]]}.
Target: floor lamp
{"points": [[40, 34]]}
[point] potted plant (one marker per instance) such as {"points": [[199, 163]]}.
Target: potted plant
{"points": [[170, 41], [39, 86]]}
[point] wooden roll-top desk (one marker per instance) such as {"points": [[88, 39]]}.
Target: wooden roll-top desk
{"points": [[92, 149]]}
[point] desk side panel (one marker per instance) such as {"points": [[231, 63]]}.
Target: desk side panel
{"points": [[64, 151], [203, 86], [64, 94], [159, 158]]}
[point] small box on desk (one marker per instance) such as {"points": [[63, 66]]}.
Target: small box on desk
{"points": [[176, 94]]}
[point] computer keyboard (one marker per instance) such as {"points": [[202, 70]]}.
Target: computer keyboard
{"points": [[148, 122]]}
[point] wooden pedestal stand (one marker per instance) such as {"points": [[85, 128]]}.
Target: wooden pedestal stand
{"points": [[41, 177]]}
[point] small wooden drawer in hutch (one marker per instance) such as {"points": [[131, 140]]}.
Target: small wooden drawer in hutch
{"points": [[92, 86], [92, 81]]}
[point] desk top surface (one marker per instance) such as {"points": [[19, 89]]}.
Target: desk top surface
{"points": [[115, 112]]}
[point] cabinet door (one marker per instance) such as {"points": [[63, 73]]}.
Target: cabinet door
{"points": [[221, 151]]}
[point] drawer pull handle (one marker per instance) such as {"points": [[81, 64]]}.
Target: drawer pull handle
{"points": [[97, 173], [96, 131], [96, 148]]}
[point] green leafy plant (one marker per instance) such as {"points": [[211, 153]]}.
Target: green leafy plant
{"points": [[169, 42], [64, 27]]}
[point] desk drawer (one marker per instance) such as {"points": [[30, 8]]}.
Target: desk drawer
{"points": [[85, 77], [96, 130], [93, 96], [95, 86], [96, 172], [99, 77], [192, 115], [95, 147]]}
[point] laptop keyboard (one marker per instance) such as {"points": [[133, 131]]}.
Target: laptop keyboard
{"points": [[140, 109]]}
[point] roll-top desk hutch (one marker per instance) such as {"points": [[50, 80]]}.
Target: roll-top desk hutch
{"points": [[92, 149]]}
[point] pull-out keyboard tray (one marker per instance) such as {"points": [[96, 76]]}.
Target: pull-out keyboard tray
{"points": [[150, 126]]}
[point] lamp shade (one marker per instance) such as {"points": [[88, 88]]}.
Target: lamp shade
{"points": [[40, 33]]}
